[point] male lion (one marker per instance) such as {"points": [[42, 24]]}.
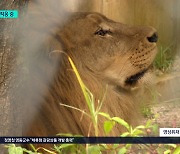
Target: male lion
{"points": [[111, 59]]}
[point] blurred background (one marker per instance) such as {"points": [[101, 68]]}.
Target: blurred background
{"points": [[164, 15]]}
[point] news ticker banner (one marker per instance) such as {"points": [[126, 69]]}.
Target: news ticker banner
{"points": [[89, 140], [5, 14]]}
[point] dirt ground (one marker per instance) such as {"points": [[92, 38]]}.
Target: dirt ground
{"points": [[167, 105], [168, 114]]}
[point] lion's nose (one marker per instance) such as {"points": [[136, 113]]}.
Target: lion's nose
{"points": [[153, 38]]}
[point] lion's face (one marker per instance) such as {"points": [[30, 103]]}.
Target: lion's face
{"points": [[118, 53]]}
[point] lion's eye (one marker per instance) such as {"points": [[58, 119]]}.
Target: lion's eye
{"points": [[102, 32]]}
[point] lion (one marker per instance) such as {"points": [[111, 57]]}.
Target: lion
{"points": [[112, 58]]}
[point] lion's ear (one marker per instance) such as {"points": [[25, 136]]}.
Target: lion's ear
{"points": [[95, 17]]}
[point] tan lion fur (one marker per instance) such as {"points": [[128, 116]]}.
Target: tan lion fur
{"points": [[102, 61]]}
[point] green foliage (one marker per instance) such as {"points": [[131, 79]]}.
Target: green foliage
{"points": [[123, 150], [164, 58], [98, 149], [13, 149], [69, 148], [177, 150], [121, 122], [147, 112], [108, 125], [94, 149]]}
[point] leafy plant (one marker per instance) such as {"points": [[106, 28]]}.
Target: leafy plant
{"points": [[147, 111], [89, 98], [13, 149]]}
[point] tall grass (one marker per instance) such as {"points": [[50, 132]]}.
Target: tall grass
{"points": [[164, 58], [89, 98]]}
